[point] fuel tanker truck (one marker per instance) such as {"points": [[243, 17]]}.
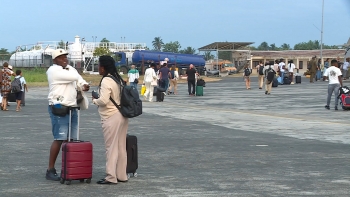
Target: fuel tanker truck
{"points": [[143, 58]]}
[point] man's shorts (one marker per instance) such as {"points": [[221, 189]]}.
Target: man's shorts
{"points": [[60, 125], [18, 95]]}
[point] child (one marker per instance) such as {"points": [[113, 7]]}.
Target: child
{"points": [[18, 95]]}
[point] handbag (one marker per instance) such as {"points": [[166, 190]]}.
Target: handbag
{"points": [[143, 89], [79, 96], [59, 110], [82, 100], [154, 83]]}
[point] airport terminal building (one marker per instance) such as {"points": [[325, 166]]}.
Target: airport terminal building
{"points": [[299, 57]]}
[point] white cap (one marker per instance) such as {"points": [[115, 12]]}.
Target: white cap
{"points": [[10, 67], [58, 52]]}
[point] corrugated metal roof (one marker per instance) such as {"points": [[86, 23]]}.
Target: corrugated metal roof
{"points": [[224, 46]]}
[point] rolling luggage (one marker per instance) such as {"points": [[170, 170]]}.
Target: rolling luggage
{"points": [[199, 90], [159, 93], [286, 81], [159, 96], [345, 101], [131, 151], [275, 83], [201, 82], [297, 79], [76, 158]]}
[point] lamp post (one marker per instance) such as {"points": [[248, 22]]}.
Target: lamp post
{"points": [[82, 53], [322, 33]]}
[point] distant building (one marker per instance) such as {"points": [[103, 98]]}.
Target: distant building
{"points": [[299, 57]]}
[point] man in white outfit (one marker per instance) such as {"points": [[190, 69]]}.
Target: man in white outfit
{"points": [[150, 80]]}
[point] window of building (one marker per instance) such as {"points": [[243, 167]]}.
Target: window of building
{"points": [[301, 64], [255, 63]]}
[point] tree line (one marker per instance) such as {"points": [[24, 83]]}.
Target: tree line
{"points": [[175, 47]]}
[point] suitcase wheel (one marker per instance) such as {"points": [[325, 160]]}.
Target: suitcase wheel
{"points": [[81, 180], [68, 182], [88, 180], [62, 181]]}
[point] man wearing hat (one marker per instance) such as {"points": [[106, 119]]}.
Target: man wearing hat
{"points": [[63, 80]]}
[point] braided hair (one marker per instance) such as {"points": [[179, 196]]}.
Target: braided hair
{"points": [[108, 63]]}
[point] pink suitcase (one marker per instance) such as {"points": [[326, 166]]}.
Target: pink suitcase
{"points": [[76, 158]]}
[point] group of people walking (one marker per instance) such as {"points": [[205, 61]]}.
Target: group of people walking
{"points": [[6, 87], [167, 79]]}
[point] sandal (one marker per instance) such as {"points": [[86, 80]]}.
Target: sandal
{"points": [[5, 109]]}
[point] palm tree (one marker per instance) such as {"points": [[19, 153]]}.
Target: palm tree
{"points": [[208, 55], [188, 50], [157, 44]]}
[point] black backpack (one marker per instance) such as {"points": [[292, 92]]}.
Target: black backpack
{"points": [[130, 102], [270, 74], [172, 74], [247, 72], [16, 85], [261, 70]]}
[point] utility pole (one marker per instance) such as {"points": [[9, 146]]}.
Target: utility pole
{"points": [[322, 33]]}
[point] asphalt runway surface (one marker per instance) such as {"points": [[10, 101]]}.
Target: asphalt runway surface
{"points": [[230, 142]]}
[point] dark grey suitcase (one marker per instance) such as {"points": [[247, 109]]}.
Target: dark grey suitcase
{"points": [[132, 157]]}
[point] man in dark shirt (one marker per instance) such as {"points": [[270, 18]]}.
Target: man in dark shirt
{"points": [[191, 80], [164, 75]]}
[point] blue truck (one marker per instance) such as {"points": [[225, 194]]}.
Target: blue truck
{"points": [[143, 58]]}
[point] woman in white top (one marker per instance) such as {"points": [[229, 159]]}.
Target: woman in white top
{"points": [[173, 79], [150, 80]]}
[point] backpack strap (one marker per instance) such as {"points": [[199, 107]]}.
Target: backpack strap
{"points": [[121, 85]]}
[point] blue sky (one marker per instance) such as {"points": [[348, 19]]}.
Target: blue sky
{"points": [[191, 22]]}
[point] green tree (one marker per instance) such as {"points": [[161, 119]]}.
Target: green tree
{"points": [[99, 51], [61, 45], [4, 54], [310, 45], [285, 46], [104, 43], [172, 47], [225, 55], [273, 47], [208, 55], [264, 46], [252, 48], [157, 44], [188, 50], [104, 40]]}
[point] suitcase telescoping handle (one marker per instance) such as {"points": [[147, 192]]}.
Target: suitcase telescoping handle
{"points": [[70, 123]]}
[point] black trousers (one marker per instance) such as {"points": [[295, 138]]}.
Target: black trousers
{"points": [[193, 84]]}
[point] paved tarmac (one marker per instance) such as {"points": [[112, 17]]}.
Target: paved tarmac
{"points": [[230, 142]]}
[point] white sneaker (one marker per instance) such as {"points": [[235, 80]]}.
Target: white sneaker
{"points": [[292, 83]]}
